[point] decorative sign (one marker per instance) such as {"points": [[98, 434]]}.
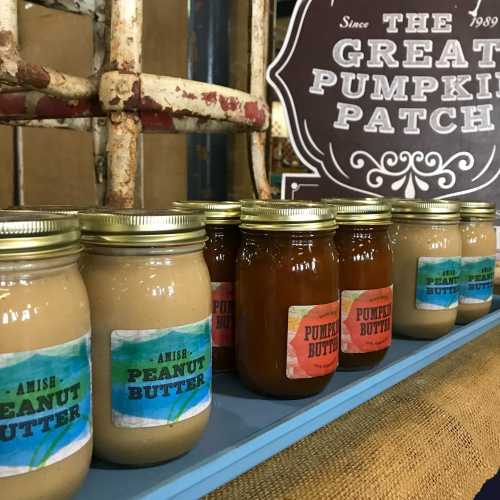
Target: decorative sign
{"points": [[392, 98]]}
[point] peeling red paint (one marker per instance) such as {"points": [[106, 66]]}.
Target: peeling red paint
{"points": [[153, 121], [229, 103], [31, 75], [189, 95], [12, 105], [23, 106], [7, 39], [134, 101], [255, 113], [54, 107], [118, 200], [149, 104], [210, 98]]}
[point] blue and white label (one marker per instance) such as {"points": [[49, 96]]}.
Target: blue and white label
{"points": [[45, 406], [478, 274], [438, 283], [160, 377]]}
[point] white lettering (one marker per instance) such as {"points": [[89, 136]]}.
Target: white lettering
{"points": [[322, 78], [347, 113]]}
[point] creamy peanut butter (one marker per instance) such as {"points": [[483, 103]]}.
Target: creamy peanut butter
{"points": [[427, 256], [150, 299], [45, 400], [478, 260]]}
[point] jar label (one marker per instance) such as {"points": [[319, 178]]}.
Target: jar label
{"points": [[478, 274], [162, 376], [313, 340], [222, 314], [366, 320], [438, 283], [45, 406]]}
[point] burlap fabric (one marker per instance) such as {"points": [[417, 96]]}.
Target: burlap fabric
{"points": [[433, 436]]}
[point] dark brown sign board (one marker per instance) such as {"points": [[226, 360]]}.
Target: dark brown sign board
{"points": [[397, 98]]}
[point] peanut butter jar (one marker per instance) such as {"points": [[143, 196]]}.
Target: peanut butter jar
{"points": [[427, 247], [221, 250], [150, 299], [45, 384], [478, 260], [287, 298], [366, 292]]}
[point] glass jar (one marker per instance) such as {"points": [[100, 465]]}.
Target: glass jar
{"points": [[221, 251], [478, 260], [149, 293], [45, 389], [427, 248], [287, 298], [366, 293]]}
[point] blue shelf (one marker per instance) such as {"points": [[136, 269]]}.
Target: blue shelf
{"points": [[246, 429]]}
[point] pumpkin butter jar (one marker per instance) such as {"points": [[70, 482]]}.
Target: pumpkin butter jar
{"points": [[366, 293], [287, 298], [427, 248], [149, 291], [478, 260], [221, 250], [45, 383]]}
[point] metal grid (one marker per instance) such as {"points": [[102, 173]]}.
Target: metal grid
{"points": [[119, 102]]}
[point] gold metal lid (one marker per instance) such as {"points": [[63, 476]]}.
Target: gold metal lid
{"points": [[31, 235], [478, 210], [283, 215], [354, 201], [426, 210], [390, 201], [216, 212], [362, 211], [142, 228]]}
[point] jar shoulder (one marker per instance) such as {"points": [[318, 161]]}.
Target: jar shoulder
{"points": [[295, 259], [43, 310], [425, 238], [144, 293]]}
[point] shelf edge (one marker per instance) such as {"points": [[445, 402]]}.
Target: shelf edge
{"points": [[236, 461]]}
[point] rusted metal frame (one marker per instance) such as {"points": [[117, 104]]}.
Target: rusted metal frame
{"points": [[259, 36], [86, 7], [139, 184], [32, 108], [18, 148], [180, 97], [124, 127], [81, 124], [15, 71], [35, 105], [8, 44], [153, 121], [8, 24], [99, 126]]}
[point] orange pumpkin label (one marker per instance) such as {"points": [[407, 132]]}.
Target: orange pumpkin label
{"points": [[366, 320], [313, 340], [222, 314]]}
